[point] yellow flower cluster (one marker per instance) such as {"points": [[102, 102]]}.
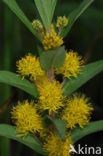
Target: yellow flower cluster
{"points": [[72, 65], [29, 66], [61, 22], [50, 95], [56, 147], [77, 111], [37, 25], [52, 40], [25, 117]]}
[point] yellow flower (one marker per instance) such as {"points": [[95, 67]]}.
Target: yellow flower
{"points": [[61, 22], [25, 117], [77, 111], [72, 65], [42, 32], [50, 95], [39, 80], [42, 79], [52, 40], [29, 66], [54, 146]]}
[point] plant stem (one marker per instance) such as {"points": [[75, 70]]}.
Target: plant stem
{"points": [[38, 140], [51, 77], [6, 104], [60, 29], [63, 82], [50, 74], [52, 115]]}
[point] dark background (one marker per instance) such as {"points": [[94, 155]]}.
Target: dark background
{"points": [[85, 37]]}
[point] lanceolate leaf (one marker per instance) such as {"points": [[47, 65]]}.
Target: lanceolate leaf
{"points": [[53, 5], [52, 58], [9, 132], [92, 127], [16, 81], [89, 71], [60, 125], [74, 15], [16, 9], [44, 8]]}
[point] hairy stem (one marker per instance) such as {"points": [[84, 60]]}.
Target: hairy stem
{"points": [[52, 115], [38, 140], [63, 82], [50, 74]]}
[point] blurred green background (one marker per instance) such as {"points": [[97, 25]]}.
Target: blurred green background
{"points": [[85, 37]]}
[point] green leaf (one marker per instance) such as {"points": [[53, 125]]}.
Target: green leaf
{"points": [[74, 15], [52, 58], [60, 126], [89, 71], [44, 8], [92, 127], [47, 121], [9, 132], [16, 81], [16, 9], [53, 5]]}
